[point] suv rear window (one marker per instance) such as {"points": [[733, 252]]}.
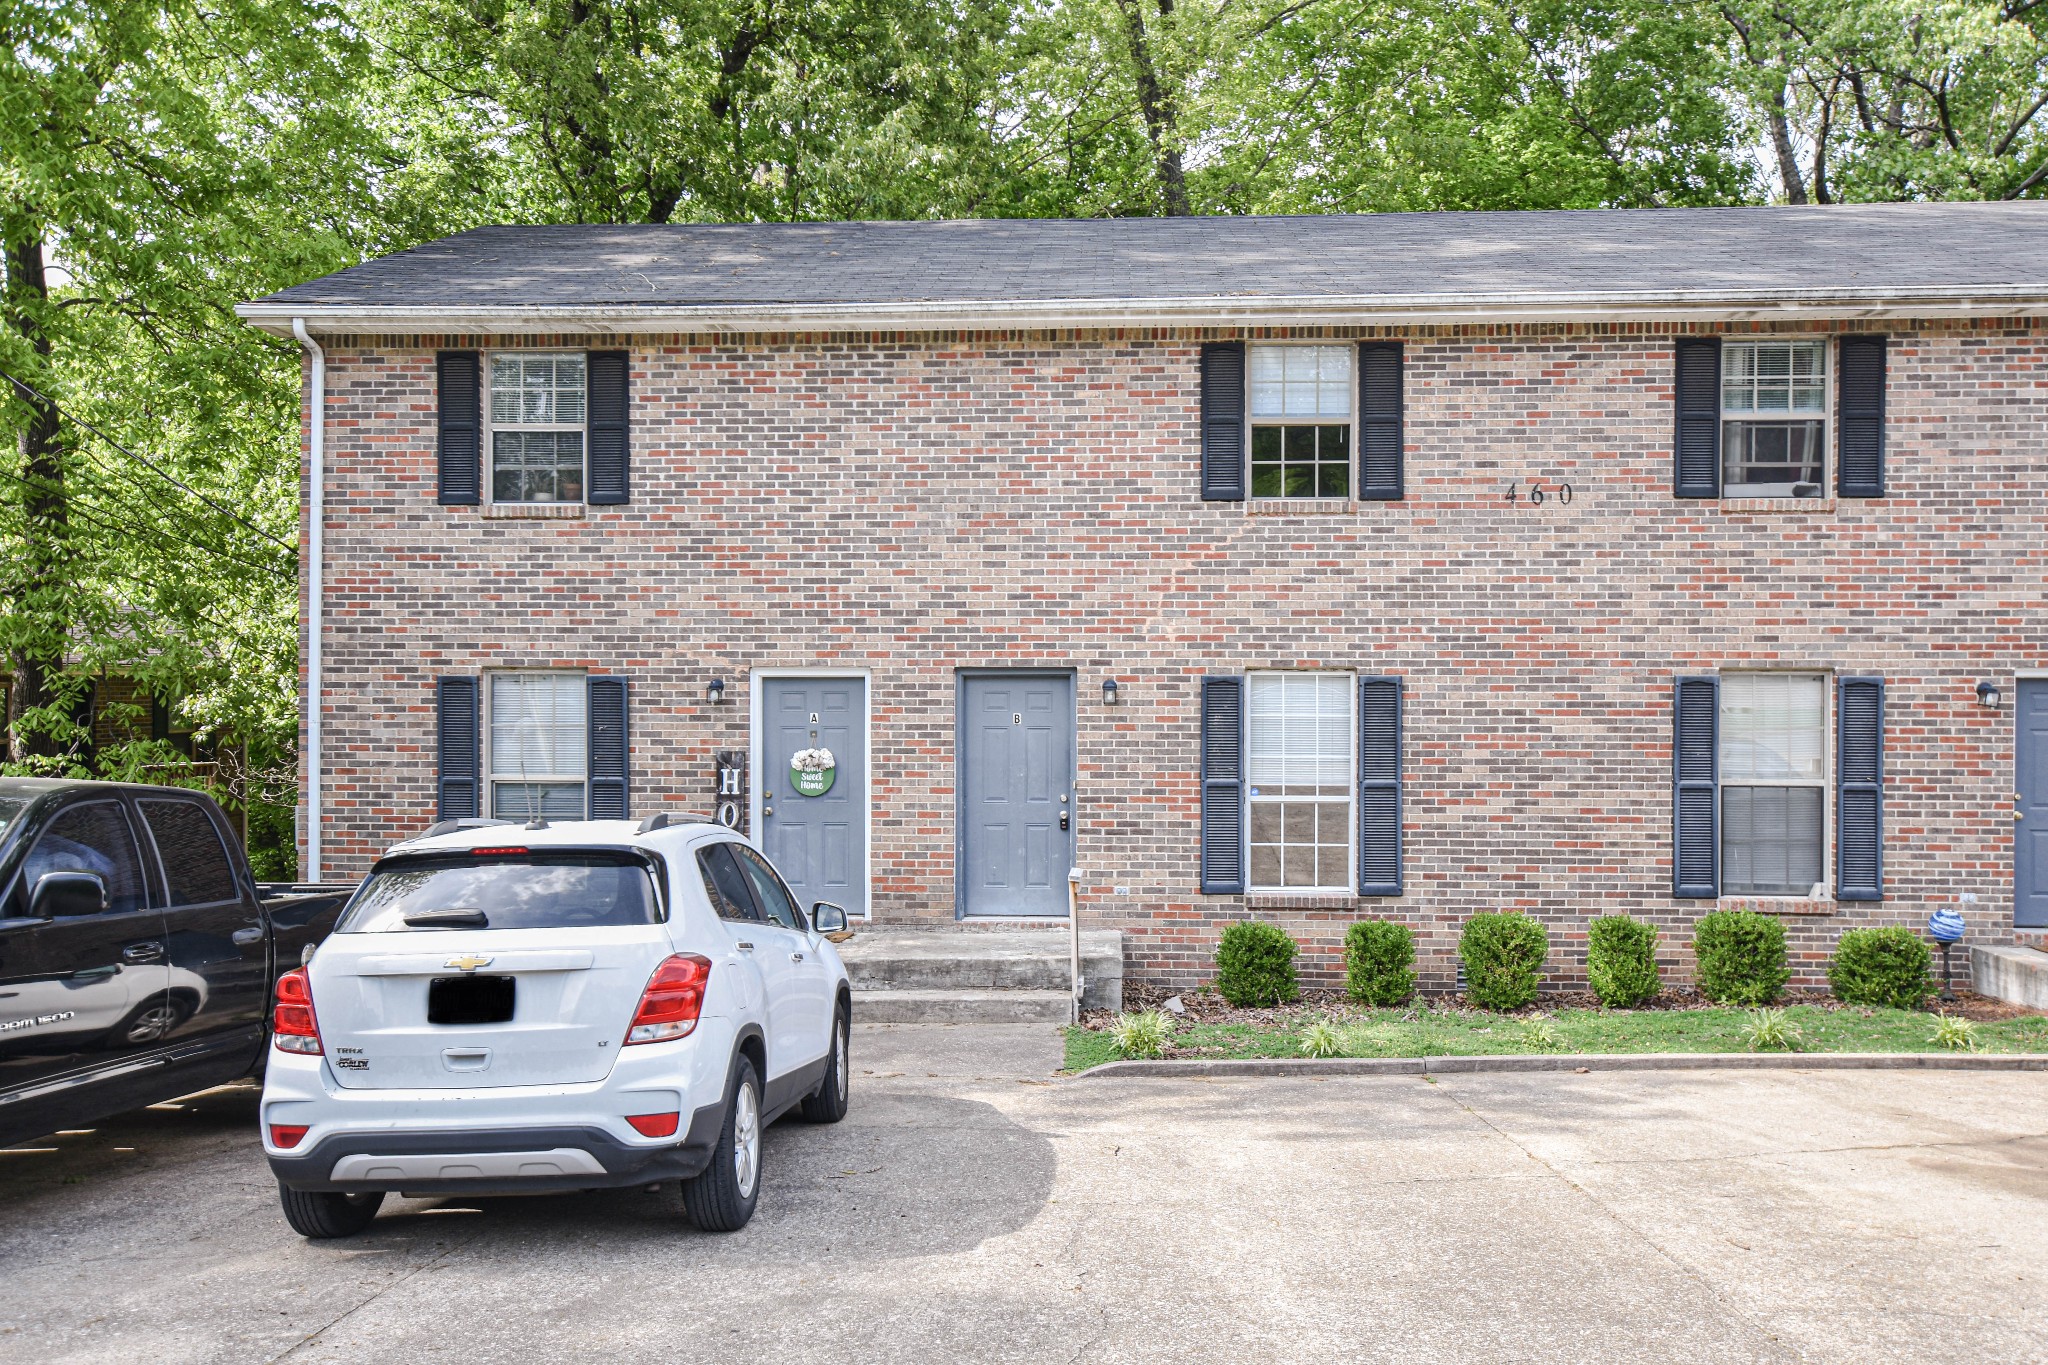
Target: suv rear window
{"points": [[534, 891]]}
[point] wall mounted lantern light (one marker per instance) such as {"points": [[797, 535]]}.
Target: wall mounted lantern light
{"points": [[714, 690], [1109, 691], [1987, 695]]}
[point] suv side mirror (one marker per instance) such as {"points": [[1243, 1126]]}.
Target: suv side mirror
{"points": [[830, 921], [67, 893]]}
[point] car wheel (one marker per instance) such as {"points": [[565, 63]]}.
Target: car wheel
{"points": [[827, 1104], [324, 1214], [149, 1023], [722, 1199]]}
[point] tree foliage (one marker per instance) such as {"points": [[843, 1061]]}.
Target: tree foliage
{"points": [[163, 159]]}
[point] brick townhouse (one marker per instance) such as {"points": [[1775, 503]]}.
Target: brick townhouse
{"points": [[1310, 569]]}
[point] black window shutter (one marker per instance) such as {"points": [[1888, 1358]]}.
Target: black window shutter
{"points": [[605, 439], [607, 757], [458, 749], [1859, 426], [1697, 453], [1222, 786], [1695, 796], [1379, 786], [461, 421], [1379, 420], [1859, 794], [1223, 422]]}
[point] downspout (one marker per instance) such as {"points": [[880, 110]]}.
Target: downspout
{"points": [[316, 438]]}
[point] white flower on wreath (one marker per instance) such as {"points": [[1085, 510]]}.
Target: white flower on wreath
{"points": [[812, 760]]}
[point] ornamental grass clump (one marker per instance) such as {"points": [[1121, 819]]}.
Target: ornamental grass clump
{"points": [[1621, 961], [1255, 965], [1957, 1035], [1889, 967], [1771, 1031], [1321, 1039], [1741, 957], [1143, 1035], [1379, 962], [1504, 956]]}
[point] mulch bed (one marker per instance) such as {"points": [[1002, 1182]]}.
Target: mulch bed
{"points": [[1204, 1006]]}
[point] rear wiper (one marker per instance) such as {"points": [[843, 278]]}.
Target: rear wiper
{"points": [[458, 918]]}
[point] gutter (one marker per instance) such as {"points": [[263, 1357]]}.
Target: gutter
{"points": [[316, 592], [1697, 306]]}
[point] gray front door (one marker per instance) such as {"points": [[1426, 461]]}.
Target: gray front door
{"points": [[1017, 793], [818, 843], [2030, 805]]}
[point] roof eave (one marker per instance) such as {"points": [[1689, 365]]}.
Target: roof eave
{"points": [[1068, 314]]}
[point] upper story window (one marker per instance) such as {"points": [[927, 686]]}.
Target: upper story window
{"points": [[1299, 751], [1773, 783], [537, 427], [1301, 421], [1774, 419], [537, 758]]}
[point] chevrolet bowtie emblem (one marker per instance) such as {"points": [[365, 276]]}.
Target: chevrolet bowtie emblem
{"points": [[467, 964]]}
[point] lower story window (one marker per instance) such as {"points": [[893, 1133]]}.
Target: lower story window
{"points": [[538, 739], [1299, 752], [1773, 783]]}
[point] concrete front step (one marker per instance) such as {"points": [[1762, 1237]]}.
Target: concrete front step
{"points": [[2018, 975], [1007, 961], [968, 1006]]}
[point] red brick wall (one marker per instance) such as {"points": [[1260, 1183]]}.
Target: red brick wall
{"points": [[916, 505]]}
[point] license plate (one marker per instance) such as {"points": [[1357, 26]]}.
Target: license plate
{"points": [[471, 999]]}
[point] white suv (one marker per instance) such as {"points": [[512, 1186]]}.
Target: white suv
{"points": [[560, 1007]]}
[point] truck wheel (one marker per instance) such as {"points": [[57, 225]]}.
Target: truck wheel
{"points": [[324, 1214], [827, 1104], [151, 1022], [722, 1199]]}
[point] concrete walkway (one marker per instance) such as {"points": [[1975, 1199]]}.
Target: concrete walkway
{"points": [[970, 1209]]}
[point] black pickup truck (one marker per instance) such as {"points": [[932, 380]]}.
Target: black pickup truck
{"points": [[137, 951]]}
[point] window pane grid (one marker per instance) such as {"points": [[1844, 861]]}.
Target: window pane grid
{"points": [[1301, 382], [1773, 783], [537, 390], [1299, 762], [1774, 413], [537, 414]]}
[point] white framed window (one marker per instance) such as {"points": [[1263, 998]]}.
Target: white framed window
{"points": [[1774, 787], [1300, 760], [536, 418], [1301, 411], [1774, 419], [536, 754]]}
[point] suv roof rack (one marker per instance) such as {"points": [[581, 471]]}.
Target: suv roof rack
{"points": [[662, 819], [466, 822]]}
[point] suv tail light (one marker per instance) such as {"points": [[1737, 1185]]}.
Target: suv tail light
{"points": [[672, 1000], [654, 1125], [286, 1134], [293, 1027]]}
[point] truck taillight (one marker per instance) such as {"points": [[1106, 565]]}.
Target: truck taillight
{"points": [[672, 1000], [293, 1027]]}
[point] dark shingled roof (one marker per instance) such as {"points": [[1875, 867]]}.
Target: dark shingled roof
{"points": [[1857, 250]]}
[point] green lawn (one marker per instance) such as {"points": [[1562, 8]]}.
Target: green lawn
{"points": [[1425, 1033]]}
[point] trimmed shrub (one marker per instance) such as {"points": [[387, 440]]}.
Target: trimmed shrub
{"points": [[1379, 962], [1621, 959], [1741, 957], [1255, 965], [1504, 957], [1888, 967]]}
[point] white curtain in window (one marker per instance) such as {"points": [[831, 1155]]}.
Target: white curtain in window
{"points": [[537, 726], [1310, 383], [1773, 727], [1300, 727]]}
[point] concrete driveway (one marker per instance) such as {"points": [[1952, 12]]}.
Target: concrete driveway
{"points": [[970, 1210]]}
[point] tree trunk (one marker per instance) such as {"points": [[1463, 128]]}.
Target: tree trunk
{"points": [[1161, 116], [1788, 157], [36, 655]]}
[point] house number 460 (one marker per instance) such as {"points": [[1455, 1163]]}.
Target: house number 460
{"points": [[1538, 496]]}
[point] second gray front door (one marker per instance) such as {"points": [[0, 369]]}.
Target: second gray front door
{"points": [[818, 843], [1017, 793]]}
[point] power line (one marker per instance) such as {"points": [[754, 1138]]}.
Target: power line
{"points": [[147, 531], [147, 464]]}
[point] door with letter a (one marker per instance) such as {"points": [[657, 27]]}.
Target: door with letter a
{"points": [[1016, 793], [813, 800]]}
